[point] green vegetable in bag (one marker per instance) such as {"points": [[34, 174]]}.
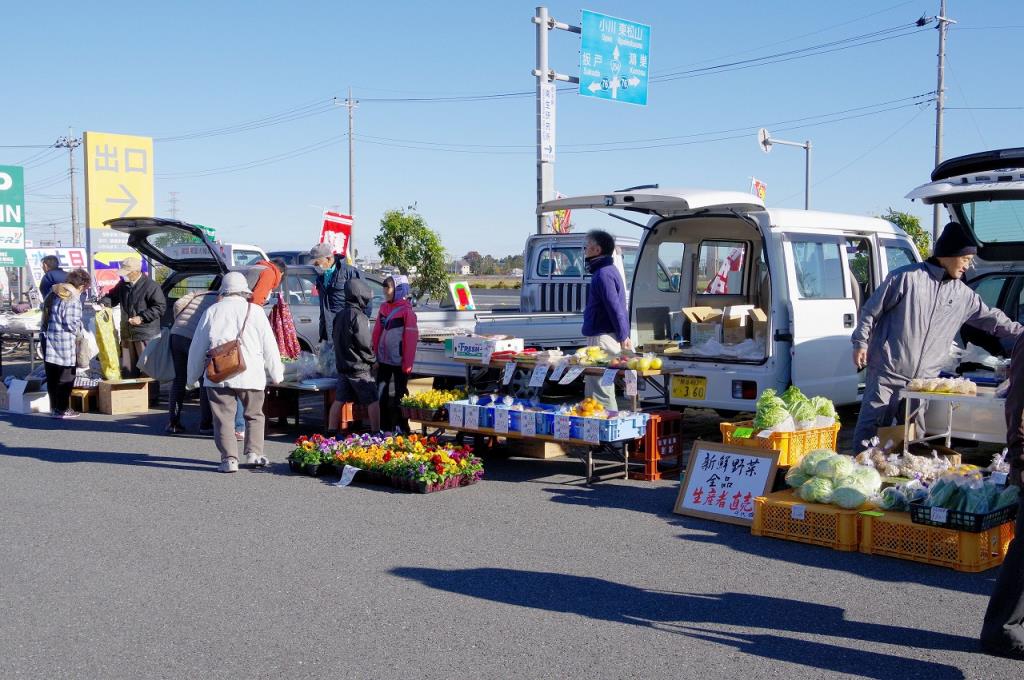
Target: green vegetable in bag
{"points": [[834, 467], [824, 407], [893, 499], [817, 490], [940, 494], [1009, 496], [772, 413], [803, 411], [792, 396]]}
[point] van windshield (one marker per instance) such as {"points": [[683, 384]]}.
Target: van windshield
{"points": [[995, 221]]}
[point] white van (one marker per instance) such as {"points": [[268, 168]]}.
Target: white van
{"points": [[808, 271]]}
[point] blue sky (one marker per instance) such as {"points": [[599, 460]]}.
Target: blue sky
{"points": [[167, 70]]}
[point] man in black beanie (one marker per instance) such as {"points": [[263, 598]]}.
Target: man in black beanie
{"points": [[908, 325]]}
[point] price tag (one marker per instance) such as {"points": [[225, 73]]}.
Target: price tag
{"points": [[506, 377], [347, 475], [764, 434], [743, 433], [563, 427], [472, 418], [940, 515], [456, 414], [630, 379], [999, 478], [798, 512], [608, 377], [560, 367], [540, 372], [485, 359], [501, 420], [528, 424], [572, 374], [592, 430]]}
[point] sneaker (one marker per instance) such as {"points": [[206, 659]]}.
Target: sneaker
{"points": [[174, 427], [69, 414], [239, 436], [54, 413], [229, 465], [205, 430], [258, 461]]}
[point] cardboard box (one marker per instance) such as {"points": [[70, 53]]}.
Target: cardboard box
{"points": [[536, 449], [121, 397], [22, 397], [702, 333], [702, 324], [736, 324], [758, 324], [480, 347]]}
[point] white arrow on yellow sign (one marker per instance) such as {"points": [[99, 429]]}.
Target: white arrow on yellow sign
{"points": [[118, 177]]}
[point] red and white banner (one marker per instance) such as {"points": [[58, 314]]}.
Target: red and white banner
{"points": [[732, 263], [337, 231]]}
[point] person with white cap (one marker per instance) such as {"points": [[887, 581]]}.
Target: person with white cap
{"points": [[234, 317], [142, 304]]}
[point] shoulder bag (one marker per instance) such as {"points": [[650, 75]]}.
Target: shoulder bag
{"points": [[225, 360]]}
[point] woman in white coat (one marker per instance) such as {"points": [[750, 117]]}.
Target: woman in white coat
{"points": [[234, 317]]}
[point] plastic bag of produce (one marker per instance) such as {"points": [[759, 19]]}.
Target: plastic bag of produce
{"points": [[804, 415], [326, 360], [817, 490], [834, 467], [809, 463], [106, 343], [862, 477], [307, 366], [792, 396], [893, 498], [796, 477], [1009, 496]]}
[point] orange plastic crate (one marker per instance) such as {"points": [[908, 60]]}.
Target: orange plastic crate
{"points": [[895, 535], [824, 525], [791, 445], [660, 449]]}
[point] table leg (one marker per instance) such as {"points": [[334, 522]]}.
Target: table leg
{"points": [[906, 426], [949, 426]]}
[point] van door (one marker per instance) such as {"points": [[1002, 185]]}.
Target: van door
{"points": [[823, 315]]}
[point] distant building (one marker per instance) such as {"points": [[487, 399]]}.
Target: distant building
{"points": [[517, 272], [459, 267]]}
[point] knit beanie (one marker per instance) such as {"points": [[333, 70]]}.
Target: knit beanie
{"points": [[954, 241]]}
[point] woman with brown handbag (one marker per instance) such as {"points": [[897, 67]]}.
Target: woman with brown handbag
{"points": [[233, 352]]}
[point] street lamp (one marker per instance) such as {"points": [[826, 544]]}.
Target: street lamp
{"points": [[766, 142]]}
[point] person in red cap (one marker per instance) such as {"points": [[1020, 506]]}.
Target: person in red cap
{"points": [[908, 324]]}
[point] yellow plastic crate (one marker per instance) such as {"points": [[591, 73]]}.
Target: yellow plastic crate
{"points": [[791, 445], [895, 535], [824, 525]]}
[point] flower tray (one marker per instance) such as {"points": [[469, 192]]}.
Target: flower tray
{"points": [[411, 485], [422, 415]]}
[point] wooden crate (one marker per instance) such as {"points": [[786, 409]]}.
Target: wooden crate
{"points": [[123, 397], [83, 399]]}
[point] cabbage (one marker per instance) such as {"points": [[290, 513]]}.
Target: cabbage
{"points": [[770, 414], [863, 478], [849, 497], [796, 477], [834, 467], [811, 460], [803, 411], [893, 498], [792, 396], [816, 490], [823, 407], [767, 396]]}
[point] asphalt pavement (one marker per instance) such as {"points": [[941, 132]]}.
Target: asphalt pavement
{"points": [[126, 555]]}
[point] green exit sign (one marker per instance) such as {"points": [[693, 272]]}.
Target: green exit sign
{"points": [[12, 216]]}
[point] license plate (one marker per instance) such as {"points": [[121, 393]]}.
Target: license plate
{"points": [[689, 387]]}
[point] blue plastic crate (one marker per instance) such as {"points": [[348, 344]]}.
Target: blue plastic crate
{"points": [[613, 429]]}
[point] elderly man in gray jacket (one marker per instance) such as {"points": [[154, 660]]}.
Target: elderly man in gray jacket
{"points": [[908, 324]]}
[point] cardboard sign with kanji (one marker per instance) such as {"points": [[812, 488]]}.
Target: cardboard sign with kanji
{"points": [[336, 231], [722, 481]]}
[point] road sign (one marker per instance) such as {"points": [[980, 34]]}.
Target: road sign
{"points": [[765, 140], [118, 183], [12, 216], [614, 58], [548, 100]]}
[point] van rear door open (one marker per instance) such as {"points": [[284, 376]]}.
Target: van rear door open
{"points": [[823, 316]]}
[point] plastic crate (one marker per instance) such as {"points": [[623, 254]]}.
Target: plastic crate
{"points": [[791, 445], [963, 521], [894, 534], [545, 421], [824, 525], [615, 429], [660, 449]]}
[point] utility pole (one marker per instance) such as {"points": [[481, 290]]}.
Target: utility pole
{"points": [[174, 205], [940, 101], [351, 104], [546, 100], [71, 143]]}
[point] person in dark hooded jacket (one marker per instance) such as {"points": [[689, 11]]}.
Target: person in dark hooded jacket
{"points": [[353, 353]]}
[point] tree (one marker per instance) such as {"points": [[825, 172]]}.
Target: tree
{"points": [[912, 225], [473, 259], [406, 242]]}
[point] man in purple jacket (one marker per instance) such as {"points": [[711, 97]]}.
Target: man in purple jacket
{"points": [[605, 318]]}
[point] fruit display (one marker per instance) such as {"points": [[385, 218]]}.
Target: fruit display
{"points": [[588, 408], [595, 356], [591, 356]]}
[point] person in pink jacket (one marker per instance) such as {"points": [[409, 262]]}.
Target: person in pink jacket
{"points": [[394, 342]]}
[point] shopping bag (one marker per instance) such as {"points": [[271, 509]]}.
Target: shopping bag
{"points": [[85, 348], [284, 329], [106, 341], [155, 360]]}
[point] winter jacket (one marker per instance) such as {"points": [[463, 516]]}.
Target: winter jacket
{"points": [[1015, 413], [605, 312], [62, 322], [353, 343], [143, 299], [189, 309], [330, 288], [909, 322], [395, 334], [49, 278], [268, 279], [221, 323]]}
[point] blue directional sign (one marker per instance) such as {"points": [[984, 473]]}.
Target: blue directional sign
{"points": [[614, 58]]}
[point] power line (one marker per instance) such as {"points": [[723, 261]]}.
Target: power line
{"points": [[296, 113], [287, 155]]}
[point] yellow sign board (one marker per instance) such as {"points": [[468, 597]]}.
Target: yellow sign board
{"points": [[118, 177]]}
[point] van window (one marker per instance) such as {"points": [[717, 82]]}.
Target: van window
{"points": [[562, 261], [996, 221], [858, 257], [898, 256], [720, 268], [301, 289], [989, 288], [819, 270], [244, 258], [670, 259], [629, 263]]}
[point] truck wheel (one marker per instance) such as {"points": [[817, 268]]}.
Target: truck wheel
{"points": [[520, 388]]}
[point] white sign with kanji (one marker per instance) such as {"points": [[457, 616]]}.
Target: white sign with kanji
{"points": [[722, 481]]}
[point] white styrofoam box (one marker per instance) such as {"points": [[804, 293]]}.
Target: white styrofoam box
{"points": [[477, 347]]}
